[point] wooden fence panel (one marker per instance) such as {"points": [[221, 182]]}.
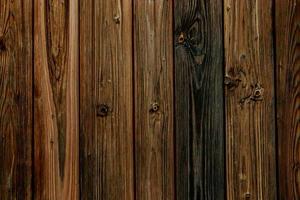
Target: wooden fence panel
{"points": [[250, 137], [153, 59], [15, 99], [106, 125], [287, 19], [56, 100], [199, 108]]}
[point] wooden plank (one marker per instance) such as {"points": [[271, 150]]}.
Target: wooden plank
{"points": [[56, 100], [106, 128], [153, 51], [199, 107], [15, 99], [287, 18], [250, 116]]}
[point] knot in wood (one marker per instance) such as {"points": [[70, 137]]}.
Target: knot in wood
{"points": [[257, 94], [154, 107], [117, 19], [102, 110], [2, 45]]}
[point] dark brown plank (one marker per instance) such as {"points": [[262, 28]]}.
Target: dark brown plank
{"points": [[15, 99], [106, 127], [56, 100], [199, 107], [153, 100], [249, 102], [287, 18]]}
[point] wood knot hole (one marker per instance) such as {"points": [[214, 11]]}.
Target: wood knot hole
{"points": [[102, 110], [154, 107], [181, 38], [117, 19], [247, 195]]}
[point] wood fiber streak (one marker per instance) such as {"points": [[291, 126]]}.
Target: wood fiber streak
{"points": [[56, 99], [15, 99], [199, 108], [288, 96], [153, 50], [249, 99], [106, 63]]}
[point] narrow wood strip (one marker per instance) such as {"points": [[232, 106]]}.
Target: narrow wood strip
{"points": [[287, 18], [153, 99], [56, 100], [106, 127], [15, 99], [250, 116], [199, 107]]}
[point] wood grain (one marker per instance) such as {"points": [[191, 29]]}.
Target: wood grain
{"points": [[199, 108], [249, 71], [287, 18], [56, 99], [153, 61], [15, 99], [106, 125]]}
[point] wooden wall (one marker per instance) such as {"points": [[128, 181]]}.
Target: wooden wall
{"points": [[149, 100]]}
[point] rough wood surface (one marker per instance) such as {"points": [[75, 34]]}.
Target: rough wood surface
{"points": [[199, 108], [153, 99], [106, 128], [287, 19], [56, 100], [15, 99], [250, 137]]}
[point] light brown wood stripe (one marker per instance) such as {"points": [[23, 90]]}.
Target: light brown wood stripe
{"points": [[250, 129]]}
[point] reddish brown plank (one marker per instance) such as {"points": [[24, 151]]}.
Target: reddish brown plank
{"points": [[56, 99], [106, 126], [287, 19], [153, 59]]}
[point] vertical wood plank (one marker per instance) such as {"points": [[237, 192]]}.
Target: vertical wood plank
{"points": [[153, 99], [251, 171], [287, 19], [15, 99], [56, 99], [106, 127], [199, 108]]}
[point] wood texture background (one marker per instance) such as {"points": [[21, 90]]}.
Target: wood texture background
{"points": [[199, 109], [149, 100], [106, 120], [249, 97], [153, 70], [56, 100], [288, 100], [15, 99]]}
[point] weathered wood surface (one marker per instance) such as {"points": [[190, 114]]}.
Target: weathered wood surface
{"points": [[287, 19], [15, 99], [153, 50], [56, 100], [249, 99], [199, 108], [106, 128]]}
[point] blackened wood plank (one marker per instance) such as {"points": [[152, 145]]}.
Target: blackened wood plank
{"points": [[249, 102], [106, 126], [15, 99], [153, 59], [287, 19], [199, 107], [56, 99]]}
